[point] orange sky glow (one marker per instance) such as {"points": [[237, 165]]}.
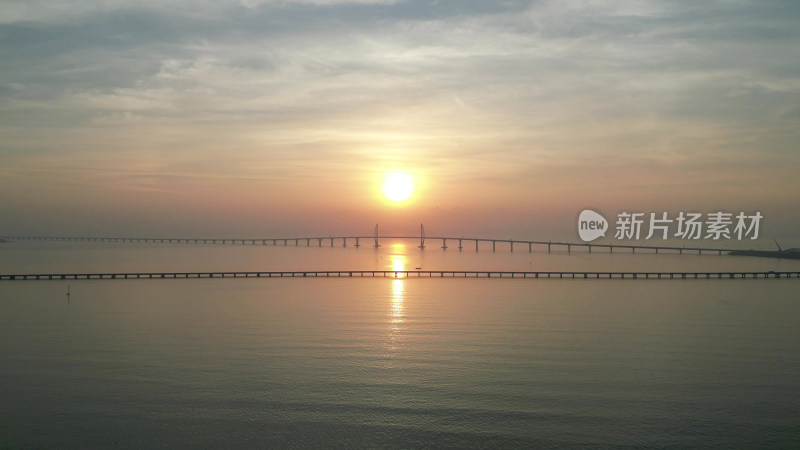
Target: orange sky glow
{"points": [[270, 118]]}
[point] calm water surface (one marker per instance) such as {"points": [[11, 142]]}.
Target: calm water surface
{"points": [[393, 362]]}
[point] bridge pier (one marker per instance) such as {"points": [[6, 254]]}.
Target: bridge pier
{"points": [[444, 244], [493, 245], [357, 244], [590, 248], [308, 242], [344, 242], [319, 242], [459, 245], [548, 247], [511, 241], [569, 248], [476, 245]]}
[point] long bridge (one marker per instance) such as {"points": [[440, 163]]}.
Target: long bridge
{"points": [[356, 241], [408, 274]]}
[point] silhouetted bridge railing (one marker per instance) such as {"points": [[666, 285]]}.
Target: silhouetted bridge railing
{"points": [[405, 274], [356, 242]]}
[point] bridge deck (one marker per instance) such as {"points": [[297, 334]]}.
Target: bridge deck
{"points": [[405, 274], [357, 241]]}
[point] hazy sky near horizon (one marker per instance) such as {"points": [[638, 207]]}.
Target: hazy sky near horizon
{"points": [[269, 117]]}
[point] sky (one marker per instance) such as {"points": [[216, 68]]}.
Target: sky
{"points": [[267, 118]]}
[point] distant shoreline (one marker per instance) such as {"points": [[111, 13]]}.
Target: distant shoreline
{"points": [[766, 254]]}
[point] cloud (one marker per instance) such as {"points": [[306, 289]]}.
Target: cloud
{"points": [[288, 89]]}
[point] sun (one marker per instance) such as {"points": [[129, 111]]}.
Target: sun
{"points": [[398, 187]]}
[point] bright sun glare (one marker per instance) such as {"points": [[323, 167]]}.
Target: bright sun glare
{"points": [[398, 187]]}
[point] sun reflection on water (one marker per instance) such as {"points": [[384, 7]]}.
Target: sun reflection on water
{"points": [[398, 288], [398, 306], [399, 265], [397, 259], [397, 309]]}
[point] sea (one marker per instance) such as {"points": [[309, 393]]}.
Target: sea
{"points": [[393, 362]]}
